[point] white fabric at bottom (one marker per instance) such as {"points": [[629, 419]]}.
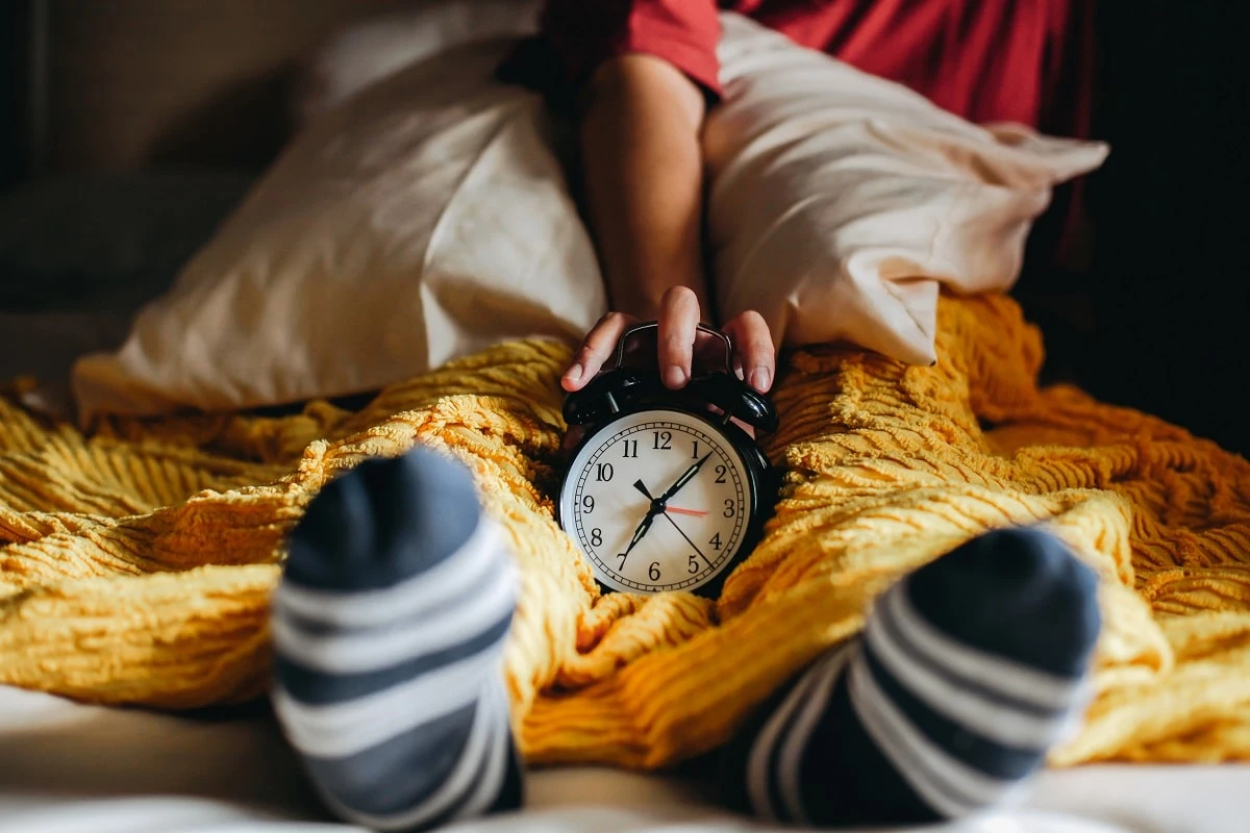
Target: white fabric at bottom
{"points": [[68, 768]]}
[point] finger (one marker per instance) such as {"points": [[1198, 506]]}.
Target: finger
{"points": [[595, 350], [753, 346], [679, 321]]}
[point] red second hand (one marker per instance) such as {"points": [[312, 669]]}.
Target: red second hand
{"points": [[680, 511]]}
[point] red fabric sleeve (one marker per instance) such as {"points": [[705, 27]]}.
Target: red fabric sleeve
{"points": [[685, 33]]}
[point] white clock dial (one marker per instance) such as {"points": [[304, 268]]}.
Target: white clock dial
{"points": [[614, 501]]}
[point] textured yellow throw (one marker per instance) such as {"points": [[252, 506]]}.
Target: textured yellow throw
{"points": [[137, 563]]}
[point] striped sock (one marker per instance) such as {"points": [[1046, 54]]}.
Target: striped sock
{"points": [[967, 673], [389, 625]]}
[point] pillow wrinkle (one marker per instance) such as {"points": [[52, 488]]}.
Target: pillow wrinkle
{"points": [[896, 286], [762, 241], [912, 336], [516, 164], [498, 128]]}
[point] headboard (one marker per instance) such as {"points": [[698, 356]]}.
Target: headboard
{"points": [[117, 85]]}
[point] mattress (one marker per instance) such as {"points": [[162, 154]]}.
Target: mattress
{"points": [[72, 768]]}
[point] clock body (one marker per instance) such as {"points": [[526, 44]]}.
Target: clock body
{"points": [[665, 498]]}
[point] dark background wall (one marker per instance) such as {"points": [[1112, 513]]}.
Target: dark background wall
{"points": [[13, 58], [1170, 276]]}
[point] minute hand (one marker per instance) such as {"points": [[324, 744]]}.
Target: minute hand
{"points": [[686, 477]]}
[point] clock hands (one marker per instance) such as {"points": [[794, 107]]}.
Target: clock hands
{"points": [[662, 500], [659, 507], [656, 508]]}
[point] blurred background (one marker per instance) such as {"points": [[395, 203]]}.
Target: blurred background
{"points": [[130, 127]]}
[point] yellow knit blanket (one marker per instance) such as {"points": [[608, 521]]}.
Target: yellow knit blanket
{"points": [[137, 562]]}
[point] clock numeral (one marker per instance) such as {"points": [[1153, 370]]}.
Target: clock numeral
{"points": [[596, 537], [631, 448], [694, 455], [603, 472], [693, 565], [663, 440], [588, 504], [720, 473], [653, 572], [622, 556], [715, 542], [730, 508]]}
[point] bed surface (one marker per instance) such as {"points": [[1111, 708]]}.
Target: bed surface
{"points": [[67, 767]]}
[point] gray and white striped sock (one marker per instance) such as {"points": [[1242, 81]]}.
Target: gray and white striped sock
{"points": [[389, 625], [969, 671]]}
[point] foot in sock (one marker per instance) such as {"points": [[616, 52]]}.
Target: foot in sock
{"points": [[968, 672], [389, 624]]}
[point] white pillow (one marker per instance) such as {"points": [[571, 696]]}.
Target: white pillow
{"points": [[839, 201], [365, 52], [424, 219]]}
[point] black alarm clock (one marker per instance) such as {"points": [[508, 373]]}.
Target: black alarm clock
{"points": [[665, 493]]}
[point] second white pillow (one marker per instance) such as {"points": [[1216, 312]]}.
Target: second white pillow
{"points": [[840, 202]]}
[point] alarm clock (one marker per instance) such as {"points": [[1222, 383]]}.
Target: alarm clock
{"points": [[665, 493]]}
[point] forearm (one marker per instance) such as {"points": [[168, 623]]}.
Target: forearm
{"points": [[643, 171]]}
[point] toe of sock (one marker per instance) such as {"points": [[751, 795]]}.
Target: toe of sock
{"points": [[1019, 593], [386, 519]]}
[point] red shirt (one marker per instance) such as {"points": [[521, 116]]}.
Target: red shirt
{"points": [[986, 60]]}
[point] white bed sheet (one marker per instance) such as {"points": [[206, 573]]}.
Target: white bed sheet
{"points": [[69, 768]]}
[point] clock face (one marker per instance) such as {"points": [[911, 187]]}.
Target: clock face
{"points": [[657, 500]]}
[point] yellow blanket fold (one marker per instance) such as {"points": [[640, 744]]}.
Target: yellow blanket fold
{"points": [[137, 562]]}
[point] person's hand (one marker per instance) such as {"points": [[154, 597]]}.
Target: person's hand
{"points": [[676, 343]]}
